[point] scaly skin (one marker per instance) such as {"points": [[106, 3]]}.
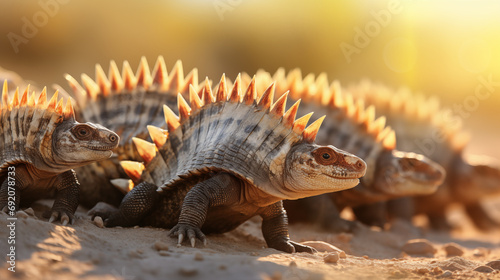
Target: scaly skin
{"points": [[125, 103], [40, 145], [423, 127], [226, 160], [352, 127]]}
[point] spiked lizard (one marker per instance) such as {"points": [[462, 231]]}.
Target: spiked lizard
{"points": [[225, 159], [125, 103], [40, 145], [423, 126], [352, 127]]}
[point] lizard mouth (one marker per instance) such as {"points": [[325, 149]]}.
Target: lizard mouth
{"points": [[101, 148], [345, 176]]}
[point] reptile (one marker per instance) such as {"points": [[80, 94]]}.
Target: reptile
{"points": [[351, 126], [229, 156], [126, 103], [423, 126], [41, 144]]}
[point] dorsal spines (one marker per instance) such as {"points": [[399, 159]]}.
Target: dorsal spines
{"points": [[158, 135], [289, 117], [300, 124], [143, 75], [207, 96], [133, 169], [235, 95], [146, 150], [221, 94], [183, 107], [267, 98], [171, 118], [251, 93], [115, 77], [160, 75], [102, 80], [311, 131], [280, 105], [129, 80], [194, 99]]}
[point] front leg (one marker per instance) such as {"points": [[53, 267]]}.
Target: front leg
{"points": [[223, 189], [275, 230], [66, 201]]}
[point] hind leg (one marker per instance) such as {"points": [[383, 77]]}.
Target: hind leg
{"points": [[133, 208], [10, 194], [480, 217]]}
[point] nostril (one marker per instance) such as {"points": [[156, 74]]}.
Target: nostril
{"points": [[360, 165]]}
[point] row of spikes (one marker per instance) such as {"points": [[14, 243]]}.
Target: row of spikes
{"points": [[127, 81], [29, 100], [159, 136], [319, 91], [416, 108]]}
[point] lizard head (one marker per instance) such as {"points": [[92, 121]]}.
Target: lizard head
{"points": [[312, 169], [80, 143], [401, 173]]}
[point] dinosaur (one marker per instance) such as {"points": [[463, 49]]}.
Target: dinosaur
{"points": [[423, 126], [125, 103], [229, 156], [351, 126], [41, 143]]}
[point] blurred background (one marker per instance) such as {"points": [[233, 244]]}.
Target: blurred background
{"points": [[442, 47]]}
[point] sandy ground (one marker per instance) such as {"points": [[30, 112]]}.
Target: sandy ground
{"points": [[85, 251]]}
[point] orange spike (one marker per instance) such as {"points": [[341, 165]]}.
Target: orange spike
{"points": [[143, 74], [236, 92], [146, 150], [133, 169], [15, 99], [389, 141], [289, 116], [124, 185], [251, 93], [5, 94], [311, 131], [24, 98], [207, 93], [91, 87], [190, 80], [160, 75], [158, 135], [59, 107], [194, 99], [280, 105], [176, 79], [53, 101], [31, 100], [115, 77], [78, 91], [69, 112], [184, 109], [102, 80], [128, 76], [42, 99], [378, 125], [267, 97], [171, 118], [300, 124], [221, 91]]}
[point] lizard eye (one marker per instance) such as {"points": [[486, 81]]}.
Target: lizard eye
{"points": [[325, 156], [82, 132]]}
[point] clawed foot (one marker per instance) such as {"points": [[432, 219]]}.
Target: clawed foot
{"points": [[286, 245], [64, 216], [192, 232], [105, 211]]}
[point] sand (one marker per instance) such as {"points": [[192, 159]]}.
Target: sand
{"points": [[86, 251]]}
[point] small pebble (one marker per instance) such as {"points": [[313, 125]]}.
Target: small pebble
{"points": [[484, 269], [21, 214], [494, 265], [292, 264], [453, 249], [30, 211], [198, 257], [331, 258], [161, 246], [446, 274], [345, 237], [366, 257], [254, 254], [342, 255], [164, 253], [419, 247], [136, 226], [222, 267], [479, 252], [423, 271], [98, 222], [134, 254], [188, 271], [437, 271]]}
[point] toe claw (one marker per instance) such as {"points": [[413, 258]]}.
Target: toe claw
{"points": [[181, 238], [193, 242], [52, 217]]}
